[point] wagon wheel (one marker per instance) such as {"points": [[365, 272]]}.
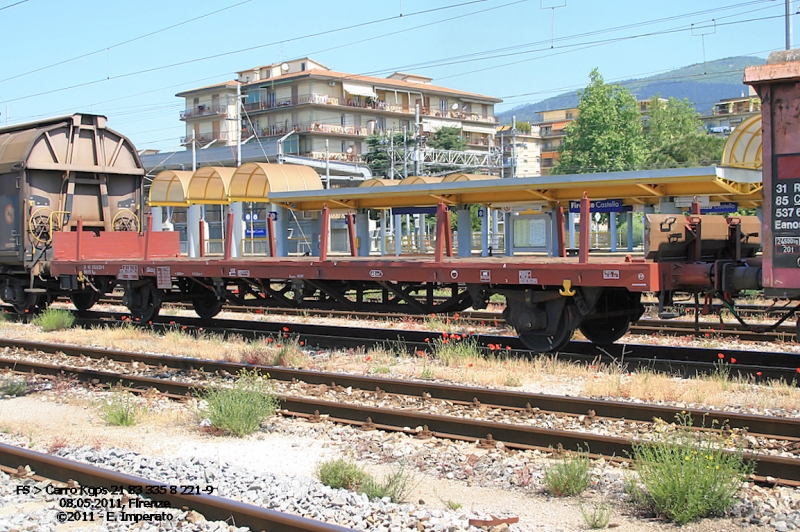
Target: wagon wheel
{"points": [[143, 301], [207, 306], [84, 300], [605, 331], [542, 343], [126, 221], [608, 329], [31, 304]]}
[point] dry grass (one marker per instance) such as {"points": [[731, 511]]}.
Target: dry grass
{"points": [[547, 374]]}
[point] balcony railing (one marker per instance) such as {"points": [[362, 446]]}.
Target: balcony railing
{"points": [[204, 110], [207, 137], [378, 105]]}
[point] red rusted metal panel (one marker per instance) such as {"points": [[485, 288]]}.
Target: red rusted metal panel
{"points": [[778, 85], [110, 245]]}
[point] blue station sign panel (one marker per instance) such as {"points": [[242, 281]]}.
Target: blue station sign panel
{"points": [[723, 207], [608, 205]]}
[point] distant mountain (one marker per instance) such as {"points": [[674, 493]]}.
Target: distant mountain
{"points": [[703, 84]]}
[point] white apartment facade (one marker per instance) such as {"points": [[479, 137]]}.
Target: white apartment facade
{"points": [[319, 105]]}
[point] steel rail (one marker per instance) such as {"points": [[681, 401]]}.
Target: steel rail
{"points": [[212, 507], [645, 326], [767, 425], [682, 360], [514, 436]]}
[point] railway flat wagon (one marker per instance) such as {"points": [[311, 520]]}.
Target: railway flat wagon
{"points": [[52, 173]]}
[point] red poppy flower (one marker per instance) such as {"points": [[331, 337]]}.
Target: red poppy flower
{"points": [[302, 342], [470, 364], [286, 329], [270, 340], [758, 373], [427, 340], [508, 348], [278, 345], [733, 360], [720, 356], [368, 358], [456, 316]]}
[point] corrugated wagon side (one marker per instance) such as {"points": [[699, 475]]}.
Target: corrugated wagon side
{"points": [[53, 173]]}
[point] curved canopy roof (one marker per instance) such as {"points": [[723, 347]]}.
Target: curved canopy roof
{"points": [[209, 185], [743, 147], [169, 187], [420, 180], [254, 181], [466, 177], [377, 182]]}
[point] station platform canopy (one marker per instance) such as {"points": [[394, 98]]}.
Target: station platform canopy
{"points": [[643, 187], [213, 185], [743, 147]]}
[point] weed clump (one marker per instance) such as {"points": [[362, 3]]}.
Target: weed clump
{"points": [[54, 319], [568, 477], [240, 409], [346, 474], [13, 386], [688, 474], [121, 409]]}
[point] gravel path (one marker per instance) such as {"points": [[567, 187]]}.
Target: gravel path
{"points": [[275, 468]]}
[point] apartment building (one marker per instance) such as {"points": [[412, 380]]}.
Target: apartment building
{"points": [[551, 131], [332, 113], [521, 150], [730, 112]]}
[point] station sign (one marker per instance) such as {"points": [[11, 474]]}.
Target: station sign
{"points": [[719, 207], [256, 233], [686, 201], [608, 205], [528, 207]]}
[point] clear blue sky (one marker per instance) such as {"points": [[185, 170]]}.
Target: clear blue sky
{"points": [[127, 59]]}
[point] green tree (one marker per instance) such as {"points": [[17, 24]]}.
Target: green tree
{"points": [[675, 136], [377, 156], [607, 135], [448, 138]]}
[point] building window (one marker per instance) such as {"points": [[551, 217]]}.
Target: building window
{"points": [[380, 124], [443, 106], [569, 115], [302, 67]]}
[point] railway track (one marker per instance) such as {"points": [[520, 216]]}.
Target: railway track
{"points": [[685, 361], [14, 461], [646, 326], [471, 413]]}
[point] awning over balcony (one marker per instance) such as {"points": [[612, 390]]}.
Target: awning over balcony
{"points": [[486, 130], [359, 90], [431, 124]]}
